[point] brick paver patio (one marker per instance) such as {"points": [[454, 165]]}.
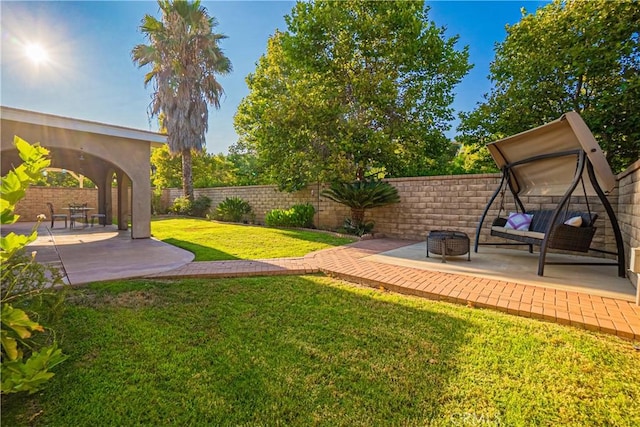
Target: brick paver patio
{"points": [[609, 315]]}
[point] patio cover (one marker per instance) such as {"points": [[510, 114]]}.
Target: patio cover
{"points": [[551, 176]]}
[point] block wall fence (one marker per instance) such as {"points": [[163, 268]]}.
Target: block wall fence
{"points": [[35, 201], [629, 212], [426, 203]]}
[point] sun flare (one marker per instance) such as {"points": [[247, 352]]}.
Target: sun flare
{"points": [[36, 53]]}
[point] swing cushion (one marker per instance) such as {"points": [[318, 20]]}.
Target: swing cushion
{"points": [[575, 221], [519, 221]]}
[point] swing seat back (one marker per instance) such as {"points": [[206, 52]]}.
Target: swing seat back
{"points": [[541, 219]]}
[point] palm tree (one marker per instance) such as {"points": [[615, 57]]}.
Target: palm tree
{"points": [[360, 196], [185, 56]]}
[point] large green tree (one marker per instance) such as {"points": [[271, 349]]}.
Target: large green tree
{"points": [[209, 170], [185, 56], [352, 88], [569, 55]]}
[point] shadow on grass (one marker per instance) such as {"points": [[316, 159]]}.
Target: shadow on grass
{"points": [[268, 351], [202, 253]]}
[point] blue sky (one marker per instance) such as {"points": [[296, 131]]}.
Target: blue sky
{"points": [[89, 74]]}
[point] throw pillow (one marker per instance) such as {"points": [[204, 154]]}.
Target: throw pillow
{"points": [[519, 221], [575, 221]]}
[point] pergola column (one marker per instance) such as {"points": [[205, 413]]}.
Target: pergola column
{"points": [[123, 201]]}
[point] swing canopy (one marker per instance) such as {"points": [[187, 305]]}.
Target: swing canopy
{"points": [[552, 172]]}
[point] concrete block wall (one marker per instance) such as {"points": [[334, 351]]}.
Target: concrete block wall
{"points": [[435, 203], [457, 203], [426, 203], [35, 201], [629, 212], [263, 198]]}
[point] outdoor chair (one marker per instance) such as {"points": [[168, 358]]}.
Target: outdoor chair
{"points": [[55, 216], [77, 212], [102, 219]]}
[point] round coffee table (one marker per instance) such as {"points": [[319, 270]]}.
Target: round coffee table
{"points": [[448, 243]]}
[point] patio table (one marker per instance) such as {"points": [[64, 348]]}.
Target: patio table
{"points": [[82, 210]]}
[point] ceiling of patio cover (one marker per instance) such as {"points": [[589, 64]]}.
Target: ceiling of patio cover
{"points": [[552, 177]]}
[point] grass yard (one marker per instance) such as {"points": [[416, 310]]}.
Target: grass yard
{"points": [[310, 350], [218, 241]]}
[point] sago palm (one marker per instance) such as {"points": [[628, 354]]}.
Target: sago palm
{"points": [[185, 56], [362, 195]]}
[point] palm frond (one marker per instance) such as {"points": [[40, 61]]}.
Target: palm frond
{"points": [[363, 194], [151, 25], [360, 196]]}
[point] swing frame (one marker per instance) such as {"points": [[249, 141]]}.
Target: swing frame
{"points": [[556, 235]]}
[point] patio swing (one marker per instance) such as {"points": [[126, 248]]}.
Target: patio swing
{"points": [[552, 160]]}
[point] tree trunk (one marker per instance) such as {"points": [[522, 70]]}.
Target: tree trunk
{"points": [[187, 174], [357, 216]]}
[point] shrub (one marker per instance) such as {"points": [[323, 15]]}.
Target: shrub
{"points": [[300, 215], [233, 209], [198, 208], [181, 206], [28, 350], [156, 203]]}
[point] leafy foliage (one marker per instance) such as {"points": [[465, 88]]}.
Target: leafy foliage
{"points": [[569, 55], [209, 170], [357, 228], [198, 208], [157, 207], [248, 169], [233, 209], [13, 186], [185, 56], [300, 215], [26, 362], [63, 178], [351, 87], [181, 206], [360, 196]]}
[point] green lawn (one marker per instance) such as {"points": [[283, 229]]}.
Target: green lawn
{"points": [[217, 241], [310, 350]]}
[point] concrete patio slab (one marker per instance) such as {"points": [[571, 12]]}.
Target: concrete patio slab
{"points": [[94, 254], [518, 266]]}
